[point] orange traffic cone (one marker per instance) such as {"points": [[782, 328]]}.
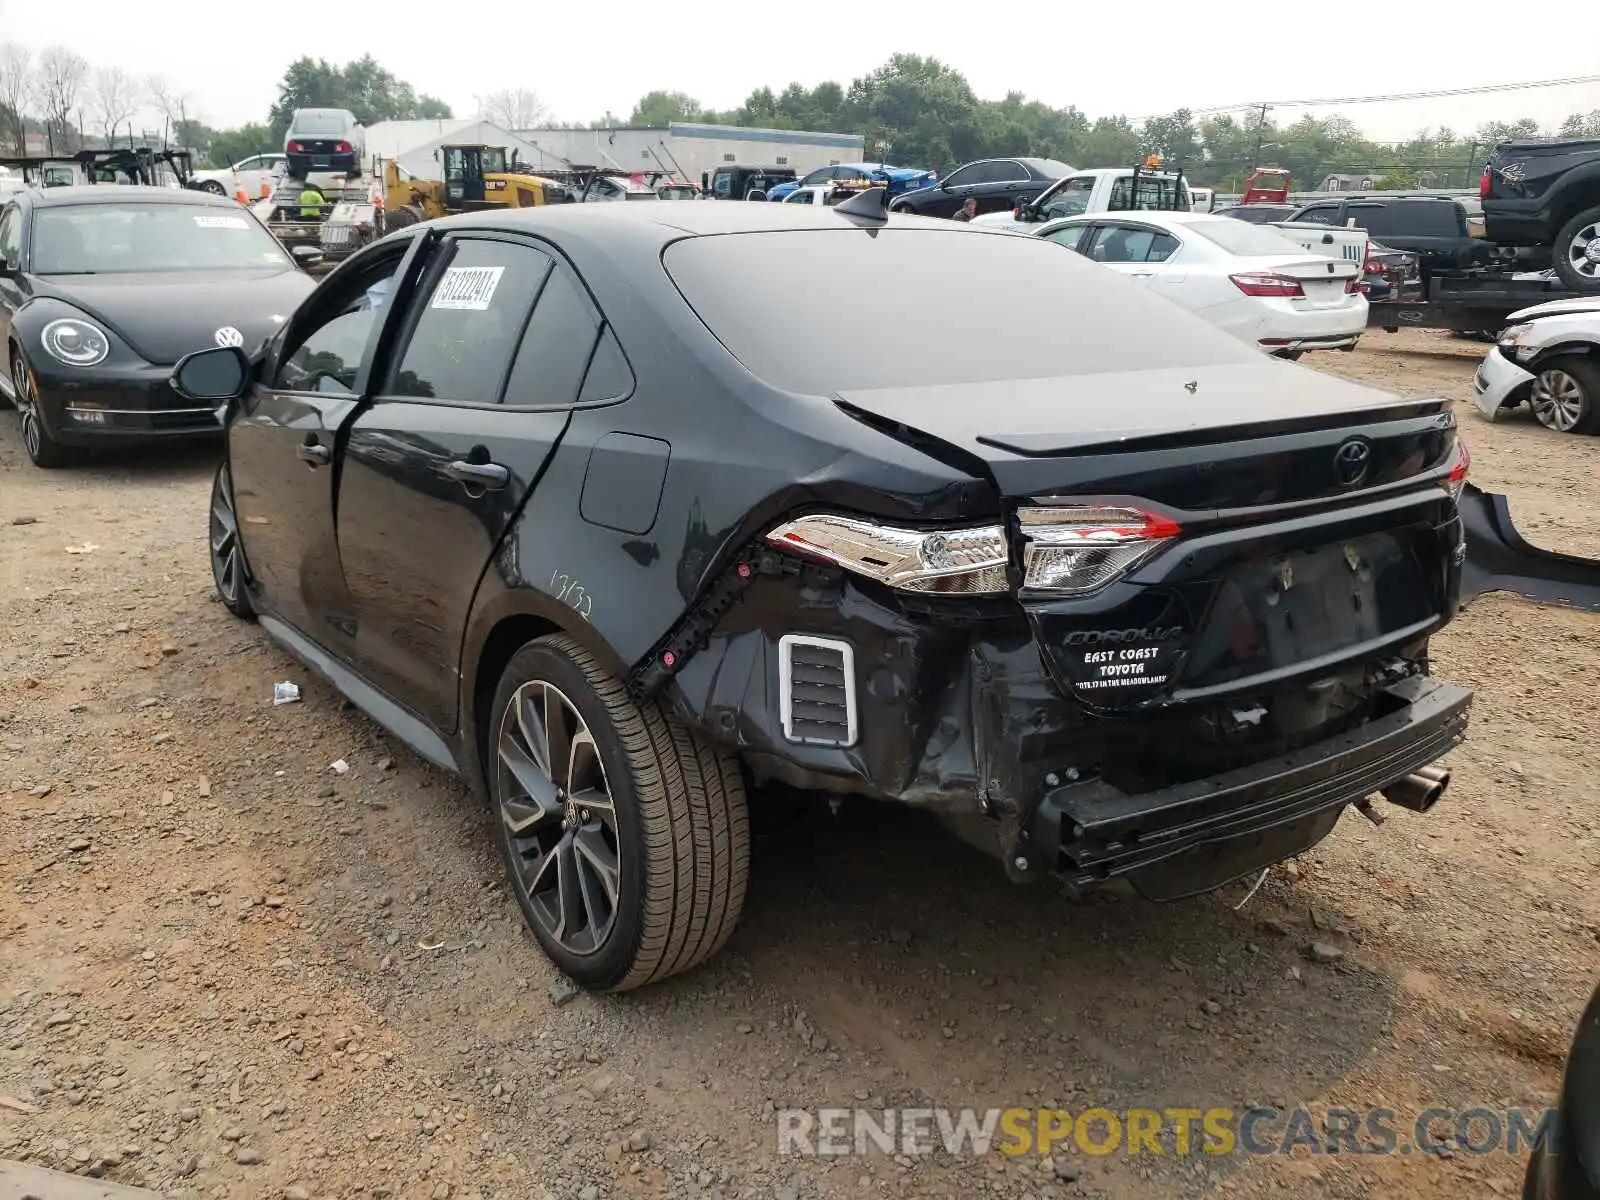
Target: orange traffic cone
{"points": [[266, 188]]}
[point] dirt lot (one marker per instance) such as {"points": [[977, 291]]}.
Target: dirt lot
{"points": [[227, 971]]}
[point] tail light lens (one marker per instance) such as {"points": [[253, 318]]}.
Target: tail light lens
{"points": [[1076, 550], [294, 148], [1483, 185], [1354, 285], [342, 148], [963, 561], [1264, 283], [1456, 483]]}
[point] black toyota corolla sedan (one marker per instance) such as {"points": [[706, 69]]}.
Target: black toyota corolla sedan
{"points": [[103, 288], [623, 510]]}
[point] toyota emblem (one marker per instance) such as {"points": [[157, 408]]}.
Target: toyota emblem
{"points": [[1350, 462], [229, 336]]}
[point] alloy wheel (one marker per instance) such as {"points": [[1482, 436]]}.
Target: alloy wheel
{"points": [[557, 810], [27, 409], [1583, 252], [1557, 400], [227, 559]]}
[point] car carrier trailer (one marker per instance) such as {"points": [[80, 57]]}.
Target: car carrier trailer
{"points": [[1465, 301]]}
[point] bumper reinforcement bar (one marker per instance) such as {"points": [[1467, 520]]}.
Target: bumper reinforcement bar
{"points": [[1091, 832]]}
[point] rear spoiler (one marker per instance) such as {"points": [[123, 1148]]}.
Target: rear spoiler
{"points": [[1499, 559]]}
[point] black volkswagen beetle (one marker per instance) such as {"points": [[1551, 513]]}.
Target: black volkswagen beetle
{"points": [[1568, 1167], [103, 288]]}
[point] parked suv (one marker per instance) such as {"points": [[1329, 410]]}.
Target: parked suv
{"points": [[324, 139], [997, 184], [689, 522], [1547, 193]]}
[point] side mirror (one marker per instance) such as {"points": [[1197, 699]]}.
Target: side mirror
{"points": [[307, 256], [218, 374]]}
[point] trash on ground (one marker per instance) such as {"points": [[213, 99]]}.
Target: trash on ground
{"points": [[338, 766], [86, 548], [285, 693]]}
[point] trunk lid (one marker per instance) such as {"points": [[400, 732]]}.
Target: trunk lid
{"points": [[1287, 557], [1322, 279]]}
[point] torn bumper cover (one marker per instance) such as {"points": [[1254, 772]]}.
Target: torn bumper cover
{"points": [[1227, 825], [1499, 559]]}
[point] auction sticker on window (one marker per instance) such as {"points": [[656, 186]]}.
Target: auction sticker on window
{"points": [[469, 288], [221, 222]]}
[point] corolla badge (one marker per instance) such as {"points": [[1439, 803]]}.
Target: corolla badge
{"points": [[229, 336], [1350, 462]]}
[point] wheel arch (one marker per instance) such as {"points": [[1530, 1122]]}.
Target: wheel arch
{"points": [[1565, 349], [500, 626], [1579, 191]]}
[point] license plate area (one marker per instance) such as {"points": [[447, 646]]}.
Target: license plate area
{"points": [[1324, 293], [1273, 612]]}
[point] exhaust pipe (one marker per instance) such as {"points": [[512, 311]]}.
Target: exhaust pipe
{"points": [[1419, 791]]}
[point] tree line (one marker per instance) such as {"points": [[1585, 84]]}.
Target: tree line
{"points": [[913, 111]]}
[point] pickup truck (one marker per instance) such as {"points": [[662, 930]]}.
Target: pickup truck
{"points": [[1106, 189], [1433, 228], [1112, 190], [1547, 194]]}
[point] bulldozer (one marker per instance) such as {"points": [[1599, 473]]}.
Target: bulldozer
{"points": [[475, 178]]}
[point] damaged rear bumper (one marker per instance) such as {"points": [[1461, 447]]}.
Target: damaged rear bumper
{"points": [[1196, 836]]}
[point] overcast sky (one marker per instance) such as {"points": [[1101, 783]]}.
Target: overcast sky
{"points": [[585, 58]]}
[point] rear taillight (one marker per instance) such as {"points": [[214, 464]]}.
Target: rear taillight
{"points": [[1456, 482], [1483, 185], [1264, 283], [293, 148], [966, 561], [1073, 550], [1354, 286], [342, 148]]}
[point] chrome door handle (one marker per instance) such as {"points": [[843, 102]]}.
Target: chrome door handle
{"points": [[488, 476], [315, 453]]}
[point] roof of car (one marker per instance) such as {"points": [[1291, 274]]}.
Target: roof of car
{"points": [[122, 193], [673, 220], [1153, 216]]}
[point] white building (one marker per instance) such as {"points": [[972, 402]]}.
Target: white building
{"points": [[415, 144], [688, 148]]}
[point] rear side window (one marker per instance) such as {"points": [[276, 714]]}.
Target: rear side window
{"points": [[1025, 310], [1321, 214], [556, 349], [469, 319], [1408, 218]]}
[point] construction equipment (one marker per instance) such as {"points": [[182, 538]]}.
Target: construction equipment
{"points": [[475, 178]]}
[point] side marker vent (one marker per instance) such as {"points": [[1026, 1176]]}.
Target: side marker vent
{"points": [[817, 690]]}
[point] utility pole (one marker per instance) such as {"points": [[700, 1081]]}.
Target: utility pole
{"points": [[1261, 126]]}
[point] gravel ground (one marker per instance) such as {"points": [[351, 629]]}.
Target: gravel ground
{"points": [[227, 971]]}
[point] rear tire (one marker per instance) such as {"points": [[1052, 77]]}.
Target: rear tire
{"points": [[1565, 395], [400, 218], [1576, 264], [630, 863], [212, 186]]}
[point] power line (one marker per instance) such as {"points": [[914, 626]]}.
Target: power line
{"points": [[1481, 89]]}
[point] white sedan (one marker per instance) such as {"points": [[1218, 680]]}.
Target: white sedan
{"points": [[1549, 357], [1249, 280]]}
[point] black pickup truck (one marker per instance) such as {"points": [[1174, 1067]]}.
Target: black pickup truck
{"points": [[1547, 194], [1433, 228]]}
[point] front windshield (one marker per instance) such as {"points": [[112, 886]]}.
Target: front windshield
{"points": [[112, 239]]}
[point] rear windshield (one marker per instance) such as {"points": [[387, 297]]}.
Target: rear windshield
{"points": [[319, 123], [1246, 240], [957, 306]]}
